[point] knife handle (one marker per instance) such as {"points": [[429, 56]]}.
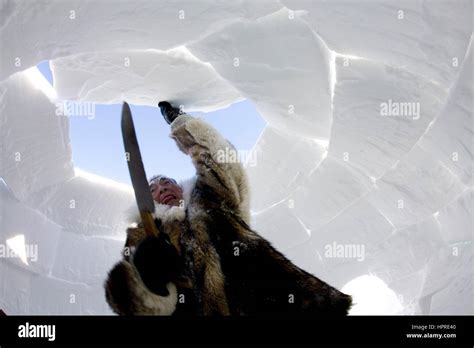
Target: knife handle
{"points": [[149, 224]]}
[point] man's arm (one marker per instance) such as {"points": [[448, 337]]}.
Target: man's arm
{"points": [[215, 159]]}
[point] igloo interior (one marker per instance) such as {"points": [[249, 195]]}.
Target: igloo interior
{"points": [[332, 168]]}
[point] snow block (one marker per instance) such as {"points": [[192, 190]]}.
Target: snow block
{"points": [[280, 227], [40, 235], [142, 78], [415, 188], [353, 235], [57, 297], [83, 259], [450, 137], [35, 147], [380, 113], [450, 281], [278, 63], [330, 189], [426, 37], [15, 289], [402, 260], [88, 206], [49, 30], [280, 162], [456, 219]]}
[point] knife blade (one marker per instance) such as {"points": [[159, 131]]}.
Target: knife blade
{"points": [[143, 197]]}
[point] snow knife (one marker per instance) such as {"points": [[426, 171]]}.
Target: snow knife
{"points": [[143, 196]]}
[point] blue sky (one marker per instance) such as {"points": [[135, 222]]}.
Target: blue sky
{"points": [[98, 147]]}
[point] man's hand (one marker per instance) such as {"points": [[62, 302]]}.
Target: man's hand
{"points": [[169, 112], [158, 262]]}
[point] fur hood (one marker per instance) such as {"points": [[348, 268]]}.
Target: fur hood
{"points": [[166, 213]]}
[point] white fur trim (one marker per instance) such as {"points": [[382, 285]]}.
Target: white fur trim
{"points": [[166, 213], [147, 302], [161, 305]]}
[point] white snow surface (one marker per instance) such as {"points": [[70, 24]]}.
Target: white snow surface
{"points": [[332, 171]]}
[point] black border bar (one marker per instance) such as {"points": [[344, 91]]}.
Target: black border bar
{"points": [[290, 331]]}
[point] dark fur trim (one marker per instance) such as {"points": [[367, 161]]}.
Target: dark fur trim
{"points": [[127, 295]]}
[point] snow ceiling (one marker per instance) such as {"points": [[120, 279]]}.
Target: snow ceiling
{"points": [[337, 165]]}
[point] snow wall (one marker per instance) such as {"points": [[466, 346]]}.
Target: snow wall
{"points": [[363, 174]]}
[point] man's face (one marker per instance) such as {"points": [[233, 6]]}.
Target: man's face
{"points": [[166, 191]]}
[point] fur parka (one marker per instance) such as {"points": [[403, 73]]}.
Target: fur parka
{"points": [[208, 260]]}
